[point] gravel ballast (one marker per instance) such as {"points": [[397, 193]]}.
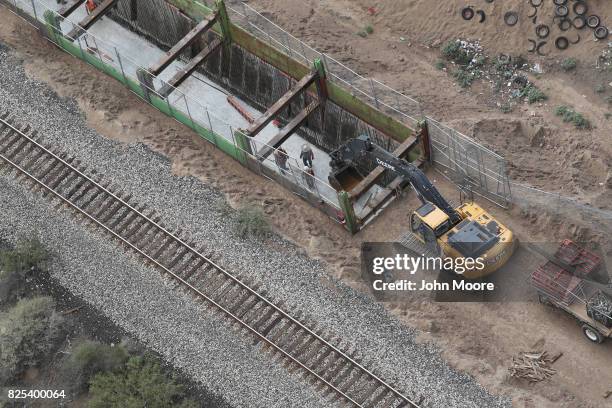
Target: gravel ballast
{"points": [[143, 303]]}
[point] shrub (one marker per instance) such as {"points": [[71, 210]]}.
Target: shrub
{"points": [[608, 99], [569, 115], [251, 222], [15, 264], [608, 115], [569, 64], [27, 332], [464, 77], [90, 358], [26, 255], [580, 121], [452, 50], [533, 94], [506, 108], [369, 29], [362, 34], [600, 89], [140, 384], [440, 65]]}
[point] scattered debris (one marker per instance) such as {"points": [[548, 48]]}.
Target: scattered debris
{"points": [[599, 308], [533, 366]]}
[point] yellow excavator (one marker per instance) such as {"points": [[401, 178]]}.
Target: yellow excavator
{"points": [[467, 231]]}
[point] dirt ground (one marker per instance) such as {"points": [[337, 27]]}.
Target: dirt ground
{"points": [[477, 338], [541, 149]]}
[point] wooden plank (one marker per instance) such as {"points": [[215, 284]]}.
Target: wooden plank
{"points": [[69, 8], [183, 43], [92, 18], [365, 184], [184, 73], [287, 130], [285, 100]]}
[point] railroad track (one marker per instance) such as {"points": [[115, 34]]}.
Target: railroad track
{"points": [[336, 373]]}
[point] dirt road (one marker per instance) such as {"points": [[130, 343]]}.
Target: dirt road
{"points": [[478, 338]]}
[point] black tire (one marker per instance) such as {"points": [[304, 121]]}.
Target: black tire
{"points": [[511, 18], [593, 21], [467, 13], [536, 3], [560, 2], [542, 31], [580, 8], [482, 15], [601, 33], [592, 334], [565, 24], [577, 40], [562, 43], [579, 22], [561, 11], [532, 46]]}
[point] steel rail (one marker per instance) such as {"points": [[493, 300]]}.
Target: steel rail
{"points": [[207, 260]]}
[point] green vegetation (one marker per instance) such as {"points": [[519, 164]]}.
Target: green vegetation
{"points": [[533, 94], [464, 77], [90, 358], [27, 334], [141, 383], [569, 64], [571, 116], [251, 222], [608, 99], [440, 65], [452, 51], [506, 108], [600, 88], [367, 30], [608, 115], [26, 255], [15, 264]]}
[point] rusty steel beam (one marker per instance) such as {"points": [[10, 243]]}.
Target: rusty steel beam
{"points": [[88, 21], [69, 8], [288, 130], [365, 184], [279, 105], [184, 73], [183, 43]]}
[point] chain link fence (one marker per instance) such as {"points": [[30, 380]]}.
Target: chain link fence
{"points": [[110, 58]]}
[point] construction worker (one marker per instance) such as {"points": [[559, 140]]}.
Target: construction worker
{"points": [[309, 177], [280, 158], [90, 5], [307, 155]]}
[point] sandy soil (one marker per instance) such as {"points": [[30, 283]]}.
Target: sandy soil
{"points": [[478, 338], [541, 149]]}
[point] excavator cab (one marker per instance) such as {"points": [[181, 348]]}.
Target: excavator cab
{"points": [[429, 223]]}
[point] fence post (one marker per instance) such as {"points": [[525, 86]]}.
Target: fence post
{"points": [[189, 112], [242, 142], [121, 66], [224, 22], [349, 213], [34, 9], [374, 93]]}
